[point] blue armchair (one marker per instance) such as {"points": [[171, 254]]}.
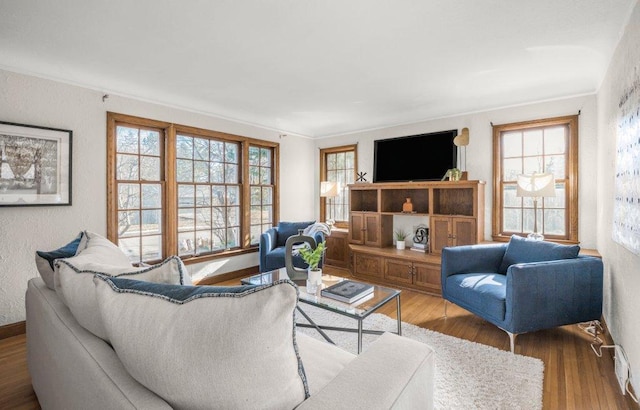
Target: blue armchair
{"points": [[525, 285], [272, 245]]}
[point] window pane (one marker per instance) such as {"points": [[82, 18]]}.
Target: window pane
{"points": [[231, 152], [150, 168], [254, 156], [219, 239], [555, 140], [532, 142], [256, 199], [131, 247], [128, 223], [509, 196], [511, 144], [512, 220], [217, 172], [554, 222], [219, 217], [127, 167], [186, 194], [151, 221], [559, 200], [267, 196], [265, 157], [150, 142], [203, 218], [127, 140], [203, 242], [233, 237], [151, 196], [231, 174], [233, 195], [217, 151], [218, 195], [184, 170], [256, 216], [533, 164], [511, 169], [201, 171], [254, 175], [267, 214], [151, 247], [186, 243], [350, 160], [128, 196], [184, 147], [201, 149], [256, 231], [556, 165], [186, 219], [265, 176], [233, 216], [331, 161], [203, 195], [527, 220]]}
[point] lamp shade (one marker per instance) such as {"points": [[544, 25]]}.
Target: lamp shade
{"points": [[536, 185], [462, 140], [328, 189]]}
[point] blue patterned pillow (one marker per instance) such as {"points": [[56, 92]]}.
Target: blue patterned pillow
{"points": [[44, 260], [521, 250], [287, 229]]}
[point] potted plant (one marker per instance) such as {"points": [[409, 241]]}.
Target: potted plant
{"points": [[400, 235], [312, 257]]}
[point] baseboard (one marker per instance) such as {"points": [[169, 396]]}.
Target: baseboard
{"points": [[242, 273], [12, 329]]}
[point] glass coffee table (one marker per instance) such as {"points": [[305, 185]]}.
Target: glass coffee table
{"points": [[359, 310]]}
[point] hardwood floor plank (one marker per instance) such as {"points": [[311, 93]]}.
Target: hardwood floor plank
{"points": [[574, 377]]}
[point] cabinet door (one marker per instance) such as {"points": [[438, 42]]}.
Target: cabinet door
{"points": [[464, 231], [337, 253], [372, 229], [367, 265], [356, 228], [398, 271], [427, 276], [439, 233]]}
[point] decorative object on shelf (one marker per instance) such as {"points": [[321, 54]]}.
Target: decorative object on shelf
{"points": [[347, 291], [407, 207], [313, 257], [35, 165], [462, 140], [400, 235], [329, 190], [421, 238], [536, 185], [453, 174], [361, 177]]}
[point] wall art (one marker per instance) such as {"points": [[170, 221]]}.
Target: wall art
{"points": [[35, 165]]}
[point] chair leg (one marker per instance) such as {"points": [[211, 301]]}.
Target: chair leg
{"points": [[445, 308], [512, 341]]}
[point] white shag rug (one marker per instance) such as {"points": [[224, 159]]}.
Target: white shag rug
{"points": [[468, 375]]}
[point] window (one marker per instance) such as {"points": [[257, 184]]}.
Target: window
{"points": [[180, 190], [549, 145], [338, 165]]}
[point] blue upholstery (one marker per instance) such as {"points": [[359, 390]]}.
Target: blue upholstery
{"points": [[272, 253], [521, 250], [530, 296]]}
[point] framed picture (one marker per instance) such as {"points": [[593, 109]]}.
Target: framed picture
{"points": [[35, 165]]}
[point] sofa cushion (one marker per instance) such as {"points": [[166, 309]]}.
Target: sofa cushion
{"points": [[44, 259], [479, 292], [227, 348], [74, 278], [287, 229], [521, 250]]}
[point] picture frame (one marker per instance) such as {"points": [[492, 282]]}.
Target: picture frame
{"points": [[35, 165]]}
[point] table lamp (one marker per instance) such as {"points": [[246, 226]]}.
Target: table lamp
{"points": [[329, 189], [536, 185]]}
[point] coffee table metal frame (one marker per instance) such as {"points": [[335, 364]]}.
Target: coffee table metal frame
{"points": [[359, 310]]}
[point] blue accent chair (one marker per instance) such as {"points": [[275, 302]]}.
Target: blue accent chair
{"points": [[523, 286], [273, 241]]}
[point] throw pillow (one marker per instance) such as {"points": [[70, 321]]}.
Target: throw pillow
{"points": [[226, 348], [44, 260], [521, 250], [287, 229]]}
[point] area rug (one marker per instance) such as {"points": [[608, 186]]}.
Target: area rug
{"points": [[468, 375]]}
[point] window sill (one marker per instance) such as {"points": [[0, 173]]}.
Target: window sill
{"points": [[190, 260]]}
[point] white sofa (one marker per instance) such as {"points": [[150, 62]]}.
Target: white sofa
{"points": [[71, 368]]}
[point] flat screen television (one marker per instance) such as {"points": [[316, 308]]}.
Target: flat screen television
{"points": [[423, 157]]}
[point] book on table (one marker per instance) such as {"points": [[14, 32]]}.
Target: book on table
{"points": [[347, 291]]}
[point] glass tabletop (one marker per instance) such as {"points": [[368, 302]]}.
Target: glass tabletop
{"points": [[358, 309]]}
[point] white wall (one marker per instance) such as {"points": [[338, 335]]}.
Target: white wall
{"points": [[622, 268], [35, 101], [480, 151]]}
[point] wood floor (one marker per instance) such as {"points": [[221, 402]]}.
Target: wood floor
{"points": [[574, 377]]}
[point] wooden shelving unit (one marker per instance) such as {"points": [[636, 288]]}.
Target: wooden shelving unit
{"points": [[456, 217]]}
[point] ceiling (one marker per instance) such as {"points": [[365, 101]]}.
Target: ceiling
{"points": [[318, 68]]}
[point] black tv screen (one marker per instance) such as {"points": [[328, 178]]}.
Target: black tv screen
{"points": [[424, 157]]}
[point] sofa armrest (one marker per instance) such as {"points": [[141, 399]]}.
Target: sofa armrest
{"points": [[267, 243], [393, 373], [472, 259], [547, 294]]}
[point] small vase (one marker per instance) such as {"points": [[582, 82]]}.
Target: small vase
{"points": [[314, 281], [407, 206], [400, 244]]}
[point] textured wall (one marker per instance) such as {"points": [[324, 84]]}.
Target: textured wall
{"points": [[480, 154], [30, 100], [622, 268]]}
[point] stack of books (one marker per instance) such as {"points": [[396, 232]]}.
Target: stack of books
{"points": [[420, 247], [347, 291]]}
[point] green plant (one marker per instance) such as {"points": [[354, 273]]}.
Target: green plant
{"points": [[400, 234], [312, 257]]}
